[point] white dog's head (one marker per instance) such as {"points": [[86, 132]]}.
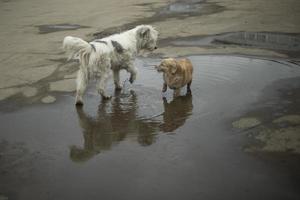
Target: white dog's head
{"points": [[146, 37]]}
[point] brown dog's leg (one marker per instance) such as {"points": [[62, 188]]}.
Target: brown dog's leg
{"points": [[188, 87], [176, 92], [165, 87]]}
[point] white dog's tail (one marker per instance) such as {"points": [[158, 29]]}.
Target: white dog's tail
{"points": [[77, 48]]}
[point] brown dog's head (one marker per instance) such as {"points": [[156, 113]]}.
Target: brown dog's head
{"points": [[168, 66]]}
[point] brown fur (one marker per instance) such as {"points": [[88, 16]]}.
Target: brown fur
{"points": [[177, 74]]}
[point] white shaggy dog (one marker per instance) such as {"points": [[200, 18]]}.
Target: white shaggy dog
{"points": [[101, 56]]}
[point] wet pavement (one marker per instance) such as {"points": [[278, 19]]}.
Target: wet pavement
{"points": [[143, 144], [180, 9], [286, 43], [50, 28], [235, 137]]}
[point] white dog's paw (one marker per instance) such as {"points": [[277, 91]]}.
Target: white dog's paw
{"points": [[118, 87], [103, 94], [106, 97], [132, 79]]}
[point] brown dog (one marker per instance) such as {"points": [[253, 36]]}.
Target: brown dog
{"points": [[177, 74]]}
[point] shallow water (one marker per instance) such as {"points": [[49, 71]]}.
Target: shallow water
{"points": [[140, 145]]}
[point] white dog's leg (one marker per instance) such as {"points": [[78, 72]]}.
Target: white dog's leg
{"points": [[133, 71], [102, 85], [117, 79], [82, 80]]}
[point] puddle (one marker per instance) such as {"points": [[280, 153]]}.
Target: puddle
{"points": [[283, 42], [139, 137], [50, 28], [182, 7]]}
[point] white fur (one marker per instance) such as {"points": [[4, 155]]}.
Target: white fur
{"points": [[98, 59]]}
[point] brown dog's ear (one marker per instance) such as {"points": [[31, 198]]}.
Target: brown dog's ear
{"points": [[174, 66]]}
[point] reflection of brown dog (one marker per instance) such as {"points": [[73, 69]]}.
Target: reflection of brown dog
{"points": [[176, 112], [177, 74]]}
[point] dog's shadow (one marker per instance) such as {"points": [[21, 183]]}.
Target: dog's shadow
{"points": [[117, 119]]}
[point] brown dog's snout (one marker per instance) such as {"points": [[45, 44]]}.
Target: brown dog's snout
{"points": [[158, 68], [155, 47]]}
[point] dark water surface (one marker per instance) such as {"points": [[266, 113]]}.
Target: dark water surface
{"points": [[141, 146]]}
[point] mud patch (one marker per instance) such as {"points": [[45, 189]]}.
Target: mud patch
{"points": [[50, 28], [287, 43]]}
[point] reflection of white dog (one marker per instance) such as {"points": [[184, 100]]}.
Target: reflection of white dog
{"points": [[115, 52]]}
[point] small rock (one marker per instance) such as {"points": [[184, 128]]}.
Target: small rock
{"points": [[290, 119], [48, 99], [2, 197], [244, 123], [29, 91], [73, 75], [67, 85], [5, 93], [280, 140]]}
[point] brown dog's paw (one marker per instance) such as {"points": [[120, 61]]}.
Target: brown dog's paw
{"points": [[165, 87]]}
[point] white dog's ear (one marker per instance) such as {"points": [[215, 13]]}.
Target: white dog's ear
{"points": [[143, 32]]}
